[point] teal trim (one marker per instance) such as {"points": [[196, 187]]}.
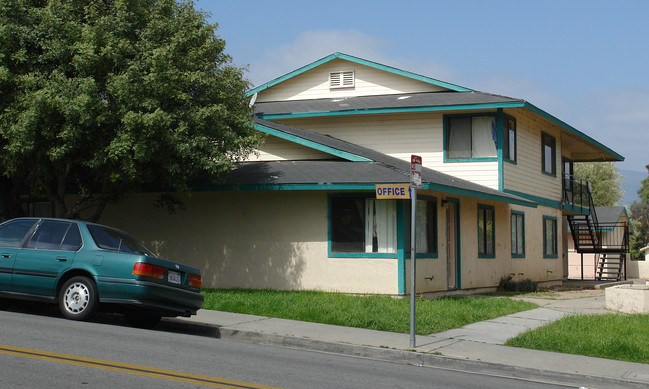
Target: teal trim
{"points": [[478, 195], [311, 144], [451, 160], [554, 233], [272, 187], [522, 214], [360, 255], [549, 174], [492, 238], [360, 61], [391, 110], [539, 200], [571, 129], [575, 208], [499, 146]]}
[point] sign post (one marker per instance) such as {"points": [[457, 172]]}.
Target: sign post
{"points": [[415, 183]]}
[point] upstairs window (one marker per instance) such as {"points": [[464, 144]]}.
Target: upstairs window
{"points": [[509, 140], [548, 154], [341, 79], [470, 137]]}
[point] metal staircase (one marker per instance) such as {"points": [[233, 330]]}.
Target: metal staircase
{"points": [[609, 241]]}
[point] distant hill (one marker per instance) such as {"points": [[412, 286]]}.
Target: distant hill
{"points": [[630, 185]]}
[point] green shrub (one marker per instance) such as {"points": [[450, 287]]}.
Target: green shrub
{"points": [[508, 285]]}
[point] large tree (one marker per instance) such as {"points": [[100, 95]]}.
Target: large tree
{"points": [[604, 178], [100, 97], [640, 220]]}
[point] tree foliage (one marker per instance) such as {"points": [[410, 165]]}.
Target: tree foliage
{"points": [[100, 97], [604, 178], [640, 220]]}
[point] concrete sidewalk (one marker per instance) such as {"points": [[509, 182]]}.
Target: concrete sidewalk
{"points": [[475, 347]]}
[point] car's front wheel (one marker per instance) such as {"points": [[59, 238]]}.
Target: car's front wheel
{"points": [[78, 298]]}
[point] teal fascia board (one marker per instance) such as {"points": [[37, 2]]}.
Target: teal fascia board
{"points": [[274, 187], [360, 61], [571, 129], [539, 200], [311, 144], [478, 195], [392, 110]]}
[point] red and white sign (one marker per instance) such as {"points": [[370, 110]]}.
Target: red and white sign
{"points": [[415, 171]]}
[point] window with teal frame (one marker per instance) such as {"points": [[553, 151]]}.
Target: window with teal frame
{"points": [[548, 154], [509, 139], [470, 138], [518, 234], [486, 231], [550, 237], [360, 225], [426, 238]]}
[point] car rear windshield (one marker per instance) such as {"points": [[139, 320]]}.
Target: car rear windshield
{"points": [[116, 240]]}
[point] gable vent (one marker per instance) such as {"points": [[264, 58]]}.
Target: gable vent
{"points": [[341, 79]]}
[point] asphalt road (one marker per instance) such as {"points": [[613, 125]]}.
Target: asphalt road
{"points": [[39, 349]]}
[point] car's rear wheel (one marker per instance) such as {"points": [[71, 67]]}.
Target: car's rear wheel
{"points": [[141, 318], [78, 298]]}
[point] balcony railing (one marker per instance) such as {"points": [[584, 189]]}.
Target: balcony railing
{"points": [[576, 192]]}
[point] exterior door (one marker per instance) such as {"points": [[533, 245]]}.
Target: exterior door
{"points": [[452, 245]]}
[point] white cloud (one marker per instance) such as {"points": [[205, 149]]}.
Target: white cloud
{"points": [[313, 45]]}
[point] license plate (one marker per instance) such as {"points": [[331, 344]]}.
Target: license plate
{"points": [[173, 277]]}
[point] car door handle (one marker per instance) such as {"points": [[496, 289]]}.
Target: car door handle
{"points": [[6, 256], [61, 259]]}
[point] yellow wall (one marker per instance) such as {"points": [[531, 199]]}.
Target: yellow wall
{"points": [[253, 240], [278, 239]]}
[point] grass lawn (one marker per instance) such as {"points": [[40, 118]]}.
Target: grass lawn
{"points": [[372, 312], [611, 336]]}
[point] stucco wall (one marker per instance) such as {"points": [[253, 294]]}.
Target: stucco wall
{"points": [[253, 240], [278, 239]]}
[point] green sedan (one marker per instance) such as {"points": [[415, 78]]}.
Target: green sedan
{"points": [[84, 266]]}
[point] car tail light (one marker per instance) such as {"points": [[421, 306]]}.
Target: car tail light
{"points": [[195, 280], [148, 270]]}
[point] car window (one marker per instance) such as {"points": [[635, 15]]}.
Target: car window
{"points": [[13, 232], [116, 240], [72, 240], [50, 235]]}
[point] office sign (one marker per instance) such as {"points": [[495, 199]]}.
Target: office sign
{"points": [[392, 191]]}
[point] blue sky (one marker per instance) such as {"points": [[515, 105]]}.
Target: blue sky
{"points": [[584, 61]]}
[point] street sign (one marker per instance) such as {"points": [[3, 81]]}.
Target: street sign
{"points": [[392, 191], [415, 171]]}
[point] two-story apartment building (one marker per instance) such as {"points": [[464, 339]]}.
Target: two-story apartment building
{"points": [[302, 212]]}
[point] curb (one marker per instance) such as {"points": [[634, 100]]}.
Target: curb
{"points": [[427, 360]]}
